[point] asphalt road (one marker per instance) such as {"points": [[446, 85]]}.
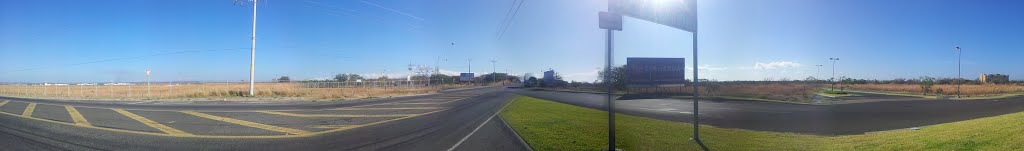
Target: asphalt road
{"points": [[881, 112], [427, 122]]}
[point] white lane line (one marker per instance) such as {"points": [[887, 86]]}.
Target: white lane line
{"points": [[666, 110], [478, 127], [670, 110]]}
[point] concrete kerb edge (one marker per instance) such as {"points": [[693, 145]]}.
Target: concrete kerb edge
{"points": [[520, 138]]}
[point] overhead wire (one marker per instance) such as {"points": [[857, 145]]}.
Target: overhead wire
{"points": [[503, 20], [507, 24], [125, 58]]}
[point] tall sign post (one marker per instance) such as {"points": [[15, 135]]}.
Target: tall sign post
{"points": [[609, 22], [679, 14]]}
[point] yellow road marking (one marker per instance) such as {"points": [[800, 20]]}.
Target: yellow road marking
{"points": [[420, 103], [222, 136], [77, 116], [378, 122], [445, 98], [28, 110], [154, 124], [247, 123], [5, 102], [386, 108], [331, 126], [454, 100], [333, 115]]}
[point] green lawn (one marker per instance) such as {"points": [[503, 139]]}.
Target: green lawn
{"points": [[550, 125]]}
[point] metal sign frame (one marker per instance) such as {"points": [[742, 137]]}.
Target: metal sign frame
{"points": [[642, 10]]}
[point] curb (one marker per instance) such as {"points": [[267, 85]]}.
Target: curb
{"points": [[509, 128]]}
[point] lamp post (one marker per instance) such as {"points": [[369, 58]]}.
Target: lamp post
{"points": [[833, 87], [958, 71], [818, 73]]}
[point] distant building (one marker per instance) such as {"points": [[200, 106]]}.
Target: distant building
{"points": [[994, 78]]}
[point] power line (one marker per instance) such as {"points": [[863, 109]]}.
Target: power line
{"points": [[393, 10], [125, 58], [511, 18], [503, 20], [361, 16]]}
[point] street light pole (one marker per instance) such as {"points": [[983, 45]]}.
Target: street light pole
{"points": [[958, 54], [818, 73], [833, 87]]}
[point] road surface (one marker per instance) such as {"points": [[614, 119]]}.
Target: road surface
{"points": [[428, 122]]}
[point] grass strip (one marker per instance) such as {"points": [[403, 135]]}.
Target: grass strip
{"points": [[548, 125]]}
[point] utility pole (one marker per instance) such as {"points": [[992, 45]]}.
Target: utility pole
{"points": [[148, 94], [958, 71], [252, 53], [494, 71], [833, 73]]}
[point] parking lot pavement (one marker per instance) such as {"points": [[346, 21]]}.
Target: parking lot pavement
{"points": [[234, 123]]}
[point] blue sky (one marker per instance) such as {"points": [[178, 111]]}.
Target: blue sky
{"points": [[306, 39]]}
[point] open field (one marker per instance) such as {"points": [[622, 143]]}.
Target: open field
{"points": [[315, 90], [972, 90], [547, 125]]}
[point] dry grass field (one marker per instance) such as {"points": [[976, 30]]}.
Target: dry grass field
{"points": [[318, 90], [944, 89]]}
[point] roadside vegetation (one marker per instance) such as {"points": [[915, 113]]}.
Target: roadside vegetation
{"points": [[319, 90], [778, 91], [342, 86], [547, 125], [929, 86], [781, 90]]}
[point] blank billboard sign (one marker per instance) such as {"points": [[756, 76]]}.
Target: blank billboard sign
{"points": [[655, 72], [466, 77]]}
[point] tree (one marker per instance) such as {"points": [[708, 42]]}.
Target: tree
{"points": [[284, 79], [347, 77], [926, 84], [532, 82], [618, 77], [845, 82], [443, 79], [810, 79]]}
